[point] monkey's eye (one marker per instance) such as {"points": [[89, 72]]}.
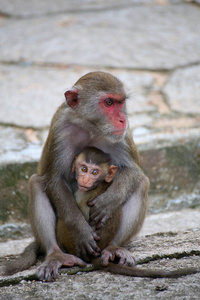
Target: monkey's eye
{"points": [[108, 102], [122, 102], [84, 169], [95, 172]]}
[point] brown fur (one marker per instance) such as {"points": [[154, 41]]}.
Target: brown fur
{"points": [[106, 233], [78, 123]]}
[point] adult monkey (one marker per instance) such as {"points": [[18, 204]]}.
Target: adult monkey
{"points": [[94, 114]]}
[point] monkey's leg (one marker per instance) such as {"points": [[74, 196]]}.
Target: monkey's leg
{"points": [[43, 222], [133, 215], [42, 215]]}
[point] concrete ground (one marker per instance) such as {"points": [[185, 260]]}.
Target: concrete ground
{"points": [[153, 46]]}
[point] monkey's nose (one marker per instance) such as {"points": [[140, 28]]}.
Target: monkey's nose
{"points": [[122, 123]]}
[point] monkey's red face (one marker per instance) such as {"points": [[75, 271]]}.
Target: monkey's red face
{"points": [[113, 108], [109, 117]]}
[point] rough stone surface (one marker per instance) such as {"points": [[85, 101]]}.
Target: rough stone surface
{"points": [[174, 175], [153, 46], [139, 120], [38, 7], [105, 286], [37, 92], [182, 93], [14, 246], [165, 138], [136, 37], [14, 191], [162, 252], [18, 145], [11, 139], [30, 153], [32, 94], [170, 221]]}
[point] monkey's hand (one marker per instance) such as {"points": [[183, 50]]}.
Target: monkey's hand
{"points": [[100, 211], [85, 243]]}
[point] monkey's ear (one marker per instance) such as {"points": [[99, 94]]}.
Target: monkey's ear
{"points": [[71, 97], [111, 173]]}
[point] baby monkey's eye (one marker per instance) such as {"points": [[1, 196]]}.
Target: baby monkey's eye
{"points": [[84, 169], [95, 172]]}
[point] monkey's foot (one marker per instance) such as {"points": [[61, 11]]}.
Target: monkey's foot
{"points": [[48, 271], [117, 254]]}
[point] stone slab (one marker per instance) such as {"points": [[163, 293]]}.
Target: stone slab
{"points": [[138, 86], [142, 37], [174, 175], [98, 285], [18, 145], [171, 221], [139, 120], [11, 139], [14, 246], [31, 153], [33, 94], [183, 89], [150, 139], [22, 8]]}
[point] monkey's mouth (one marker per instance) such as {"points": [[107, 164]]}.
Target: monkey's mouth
{"points": [[84, 188], [119, 132]]}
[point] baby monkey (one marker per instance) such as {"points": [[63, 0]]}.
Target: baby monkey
{"points": [[94, 173]]}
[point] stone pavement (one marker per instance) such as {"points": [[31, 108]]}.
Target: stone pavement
{"points": [[153, 46]]}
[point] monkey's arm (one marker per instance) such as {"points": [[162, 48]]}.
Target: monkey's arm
{"points": [[82, 198], [64, 141], [126, 182], [68, 211]]}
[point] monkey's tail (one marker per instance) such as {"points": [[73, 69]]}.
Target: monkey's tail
{"points": [[27, 258], [137, 272]]}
